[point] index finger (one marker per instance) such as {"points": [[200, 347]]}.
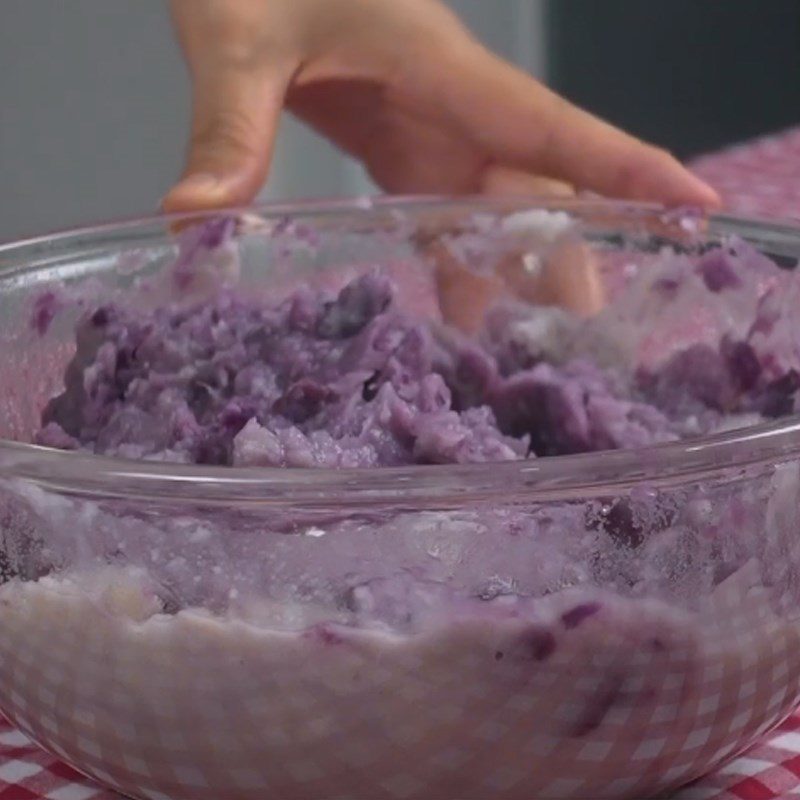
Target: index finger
{"points": [[519, 122]]}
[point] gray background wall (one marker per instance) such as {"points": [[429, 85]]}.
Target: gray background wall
{"points": [[93, 103], [691, 75], [94, 109]]}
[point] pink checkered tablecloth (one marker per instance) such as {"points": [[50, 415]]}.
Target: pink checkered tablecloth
{"points": [[759, 178]]}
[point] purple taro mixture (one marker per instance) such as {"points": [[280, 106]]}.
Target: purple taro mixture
{"points": [[348, 380], [566, 626]]}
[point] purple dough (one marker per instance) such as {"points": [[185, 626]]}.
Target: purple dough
{"points": [[352, 381], [316, 381]]}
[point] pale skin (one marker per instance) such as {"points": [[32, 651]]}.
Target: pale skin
{"points": [[402, 86]]}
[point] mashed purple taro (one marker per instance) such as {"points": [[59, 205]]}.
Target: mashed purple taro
{"points": [[637, 617], [349, 380]]}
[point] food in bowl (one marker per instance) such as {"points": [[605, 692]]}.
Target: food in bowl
{"points": [[346, 379], [239, 611]]}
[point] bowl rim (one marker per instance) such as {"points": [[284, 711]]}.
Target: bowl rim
{"points": [[597, 474]]}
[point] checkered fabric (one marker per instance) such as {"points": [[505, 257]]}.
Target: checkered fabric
{"points": [[761, 178], [28, 773], [770, 771], [766, 772]]}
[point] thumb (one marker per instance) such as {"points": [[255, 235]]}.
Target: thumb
{"points": [[234, 119]]}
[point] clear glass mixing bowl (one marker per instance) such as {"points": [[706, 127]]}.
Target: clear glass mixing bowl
{"points": [[188, 632]]}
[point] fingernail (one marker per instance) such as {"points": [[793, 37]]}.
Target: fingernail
{"points": [[200, 182], [711, 197], [195, 191], [714, 197]]}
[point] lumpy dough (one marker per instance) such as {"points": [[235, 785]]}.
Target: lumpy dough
{"points": [[504, 652], [350, 380]]}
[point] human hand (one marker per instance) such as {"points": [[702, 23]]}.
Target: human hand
{"points": [[402, 86]]}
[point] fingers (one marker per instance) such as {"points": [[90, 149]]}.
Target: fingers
{"points": [[566, 275], [519, 122], [234, 119], [500, 180], [464, 295]]}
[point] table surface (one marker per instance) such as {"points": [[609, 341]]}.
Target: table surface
{"points": [[759, 178]]}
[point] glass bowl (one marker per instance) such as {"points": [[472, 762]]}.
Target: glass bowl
{"points": [[610, 624]]}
